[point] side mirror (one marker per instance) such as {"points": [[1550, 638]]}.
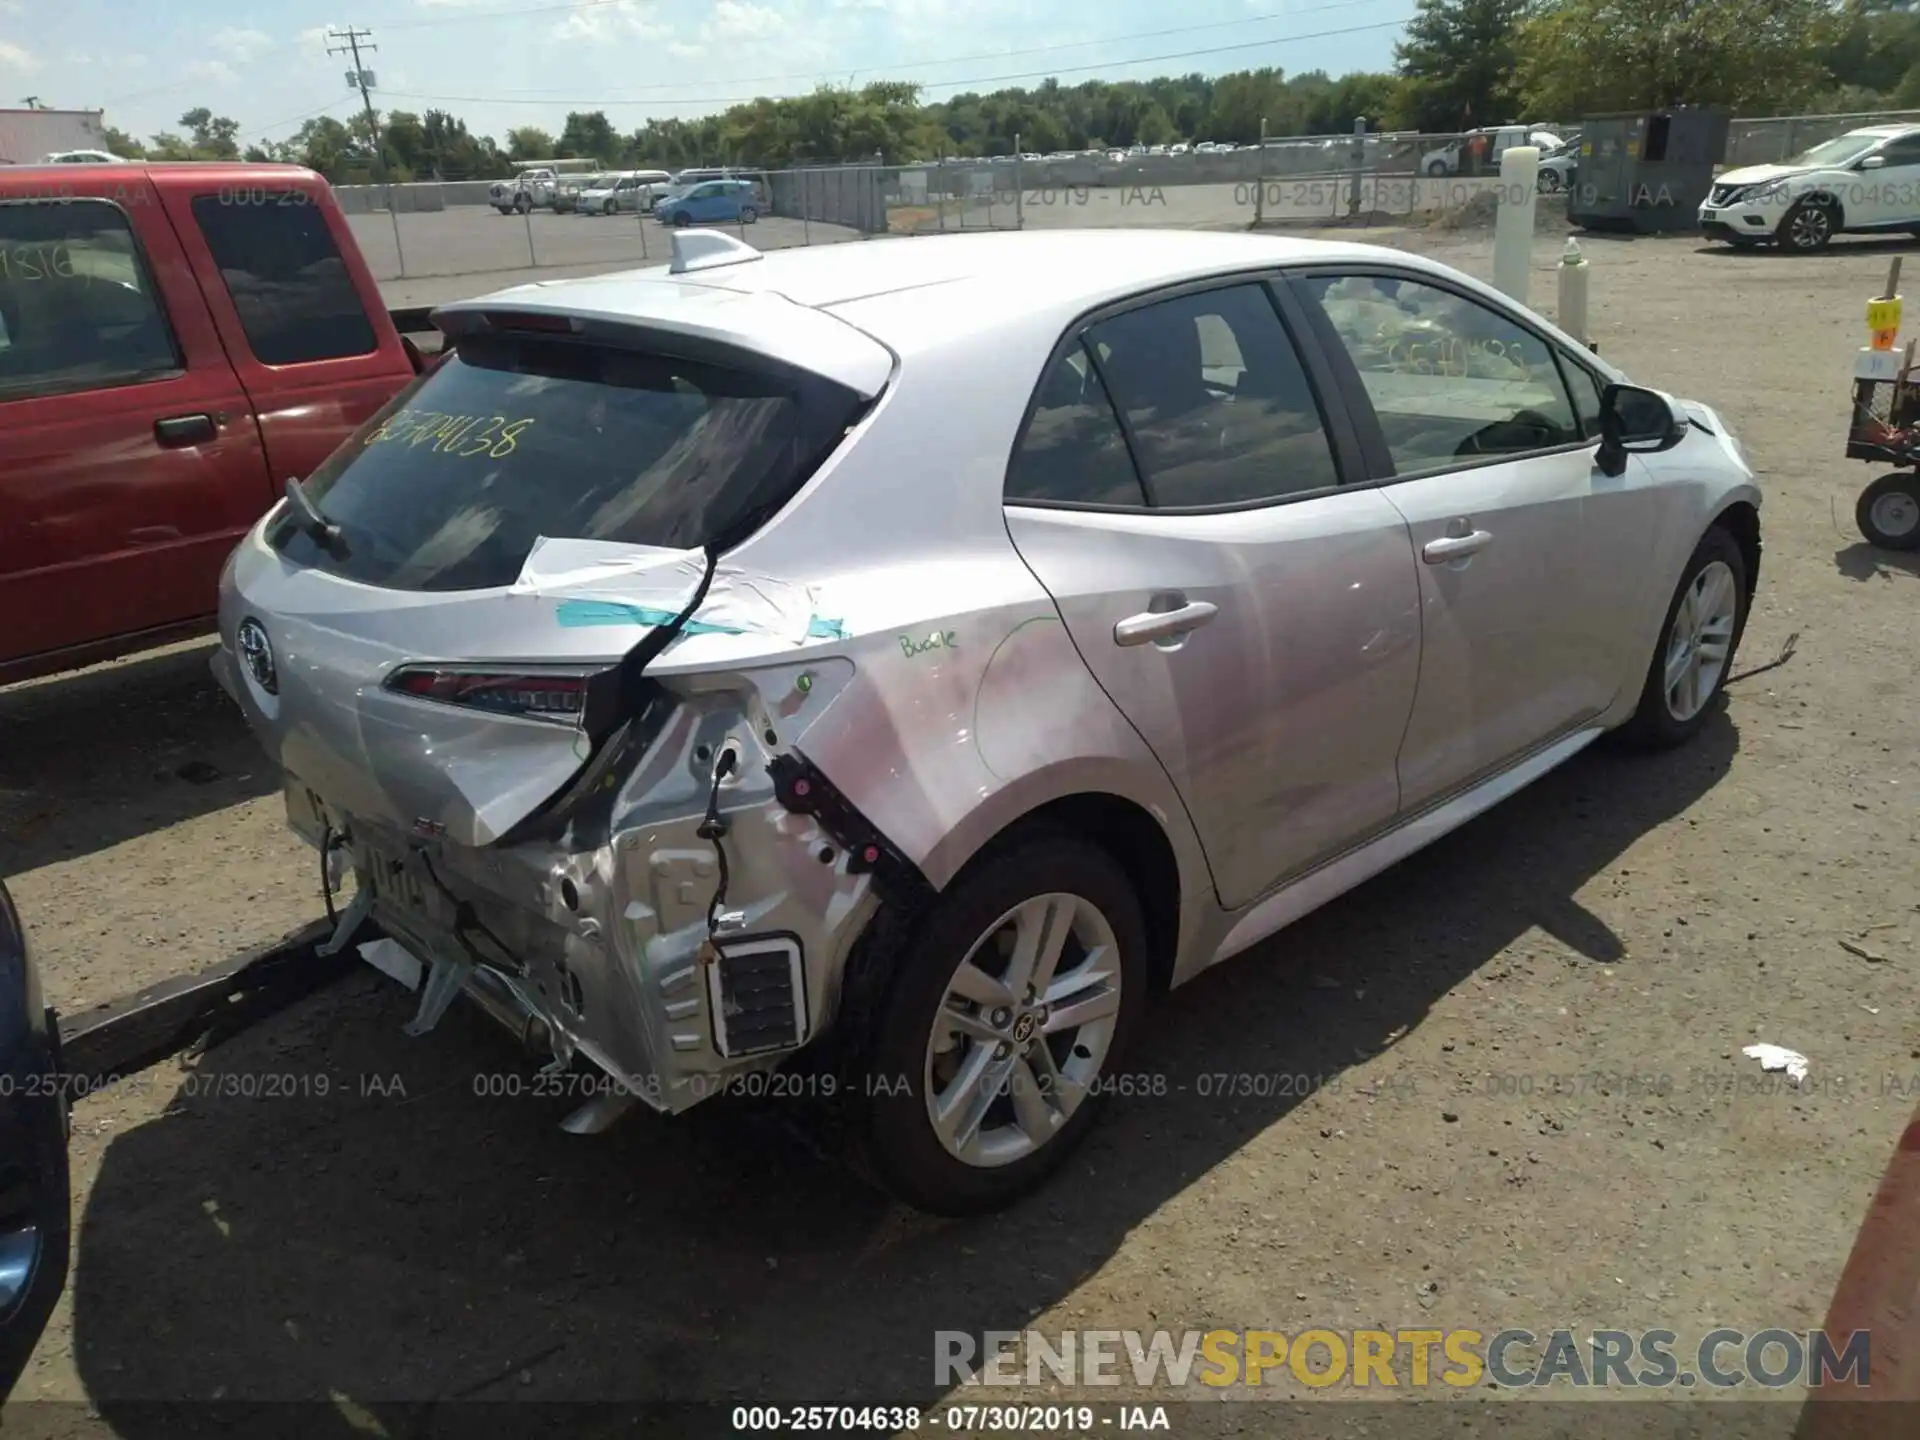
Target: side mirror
{"points": [[1634, 421], [1873, 162]]}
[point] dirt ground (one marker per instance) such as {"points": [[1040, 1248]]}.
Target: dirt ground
{"points": [[1473, 1151]]}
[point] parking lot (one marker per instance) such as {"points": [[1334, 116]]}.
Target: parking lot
{"points": [[322, 1209], [427, 257]]}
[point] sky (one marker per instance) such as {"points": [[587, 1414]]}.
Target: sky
{"points": [[503, 63]]}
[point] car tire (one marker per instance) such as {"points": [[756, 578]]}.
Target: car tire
{"points": [[521, 204], [680, 220], [748, 214], [1549, 182], [1708, 614], [1888, 511], [1809, 226], [1437, 170], [1026, 890], [504, 209]]}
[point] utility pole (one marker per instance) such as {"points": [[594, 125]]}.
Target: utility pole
{"points": [[353, 38]]}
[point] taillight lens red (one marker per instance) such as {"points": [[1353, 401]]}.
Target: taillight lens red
{"points": [[552, 695]]}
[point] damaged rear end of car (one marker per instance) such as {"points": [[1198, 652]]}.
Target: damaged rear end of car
{"points": [[516, 691]]}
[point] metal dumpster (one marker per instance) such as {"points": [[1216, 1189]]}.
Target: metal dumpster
{"points": [[1648, 171]]}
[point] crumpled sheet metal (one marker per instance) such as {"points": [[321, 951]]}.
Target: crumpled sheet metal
{"points": [[598, 582]]}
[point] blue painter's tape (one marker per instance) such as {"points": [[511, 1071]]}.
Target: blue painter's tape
{"points": [[574, 614]]}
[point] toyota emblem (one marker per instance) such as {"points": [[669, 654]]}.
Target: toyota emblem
{"points": [[257, 655]]}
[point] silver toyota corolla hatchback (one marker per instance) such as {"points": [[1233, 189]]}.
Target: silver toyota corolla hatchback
{"points": [[897, 663]]}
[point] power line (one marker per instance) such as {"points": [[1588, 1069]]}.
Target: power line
{"points": [[968, 84], [303, 116], [889, 68]]}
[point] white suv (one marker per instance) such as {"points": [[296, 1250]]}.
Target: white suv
{"points": [[528, 190], [1865, 181]]}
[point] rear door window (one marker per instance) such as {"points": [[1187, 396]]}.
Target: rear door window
{"points": [[1217, 401], [1073, 451], [78, 308], [295, 297], [448, 486]]}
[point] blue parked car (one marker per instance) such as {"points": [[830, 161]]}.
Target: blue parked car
{"points": [[712, 202]]}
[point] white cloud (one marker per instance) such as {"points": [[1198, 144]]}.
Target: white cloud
{"points": [[12, 57], [215, 70], [610, 18], [12, 7], [743, 20], [241, 44], [314, 39], [681, 50]]}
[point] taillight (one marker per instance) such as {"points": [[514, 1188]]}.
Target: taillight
{"points": [[557, 695]]}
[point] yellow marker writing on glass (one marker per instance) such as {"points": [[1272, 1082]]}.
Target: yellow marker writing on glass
{"points": [[468, 436]]}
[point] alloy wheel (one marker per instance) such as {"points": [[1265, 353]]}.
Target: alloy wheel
{"points": [[1026, 1025], [1810, 228], [1701, 640]]}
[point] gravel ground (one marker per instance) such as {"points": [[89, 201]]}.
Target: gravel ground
{"points": [[1472, 1150]]}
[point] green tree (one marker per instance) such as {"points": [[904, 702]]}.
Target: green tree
{"points": [[1457, 60], [1756, 57], [121, 143], [589, 136], [214, 137], [529, 142]]}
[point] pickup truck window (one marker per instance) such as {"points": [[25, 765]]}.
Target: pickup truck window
{"points": [[78, 310], [291, 287]]}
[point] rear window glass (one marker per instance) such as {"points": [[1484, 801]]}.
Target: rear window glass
{"points": [[448, 487]]}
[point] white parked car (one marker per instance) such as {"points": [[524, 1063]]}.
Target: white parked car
{"points": [[84, 157], [531, 189], [622, 190], [1866, 181], [1500, 139]]}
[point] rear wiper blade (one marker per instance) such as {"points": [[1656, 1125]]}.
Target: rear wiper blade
{"points": [[324, 532]]}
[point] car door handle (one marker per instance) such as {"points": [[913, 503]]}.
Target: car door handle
{"points": [[1455, 547], [1159, 624], [186, 430]]}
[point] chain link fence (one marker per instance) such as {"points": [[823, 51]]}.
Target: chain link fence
{"points": [[1780, 138], [449, 229]]}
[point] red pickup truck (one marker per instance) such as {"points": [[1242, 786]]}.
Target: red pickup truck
{"points": [[176, 342]]}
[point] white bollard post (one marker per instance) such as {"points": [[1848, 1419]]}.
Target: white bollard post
{"points": [[1572, 313], [1513, 221]]}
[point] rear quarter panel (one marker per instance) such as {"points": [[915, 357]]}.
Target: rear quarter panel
{"points": [[970, 706]]}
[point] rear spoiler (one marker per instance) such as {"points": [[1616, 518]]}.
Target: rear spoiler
{"points": [[418, 320]]}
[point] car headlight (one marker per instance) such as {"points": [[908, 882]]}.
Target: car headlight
{"points": [[1770, 187]]}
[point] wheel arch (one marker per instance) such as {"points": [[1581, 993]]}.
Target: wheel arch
{"points": [[1823, 196], [1129, 833], [1740, 518]]}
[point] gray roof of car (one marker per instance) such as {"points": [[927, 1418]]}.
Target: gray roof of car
{"points": [[1005, 277]]}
